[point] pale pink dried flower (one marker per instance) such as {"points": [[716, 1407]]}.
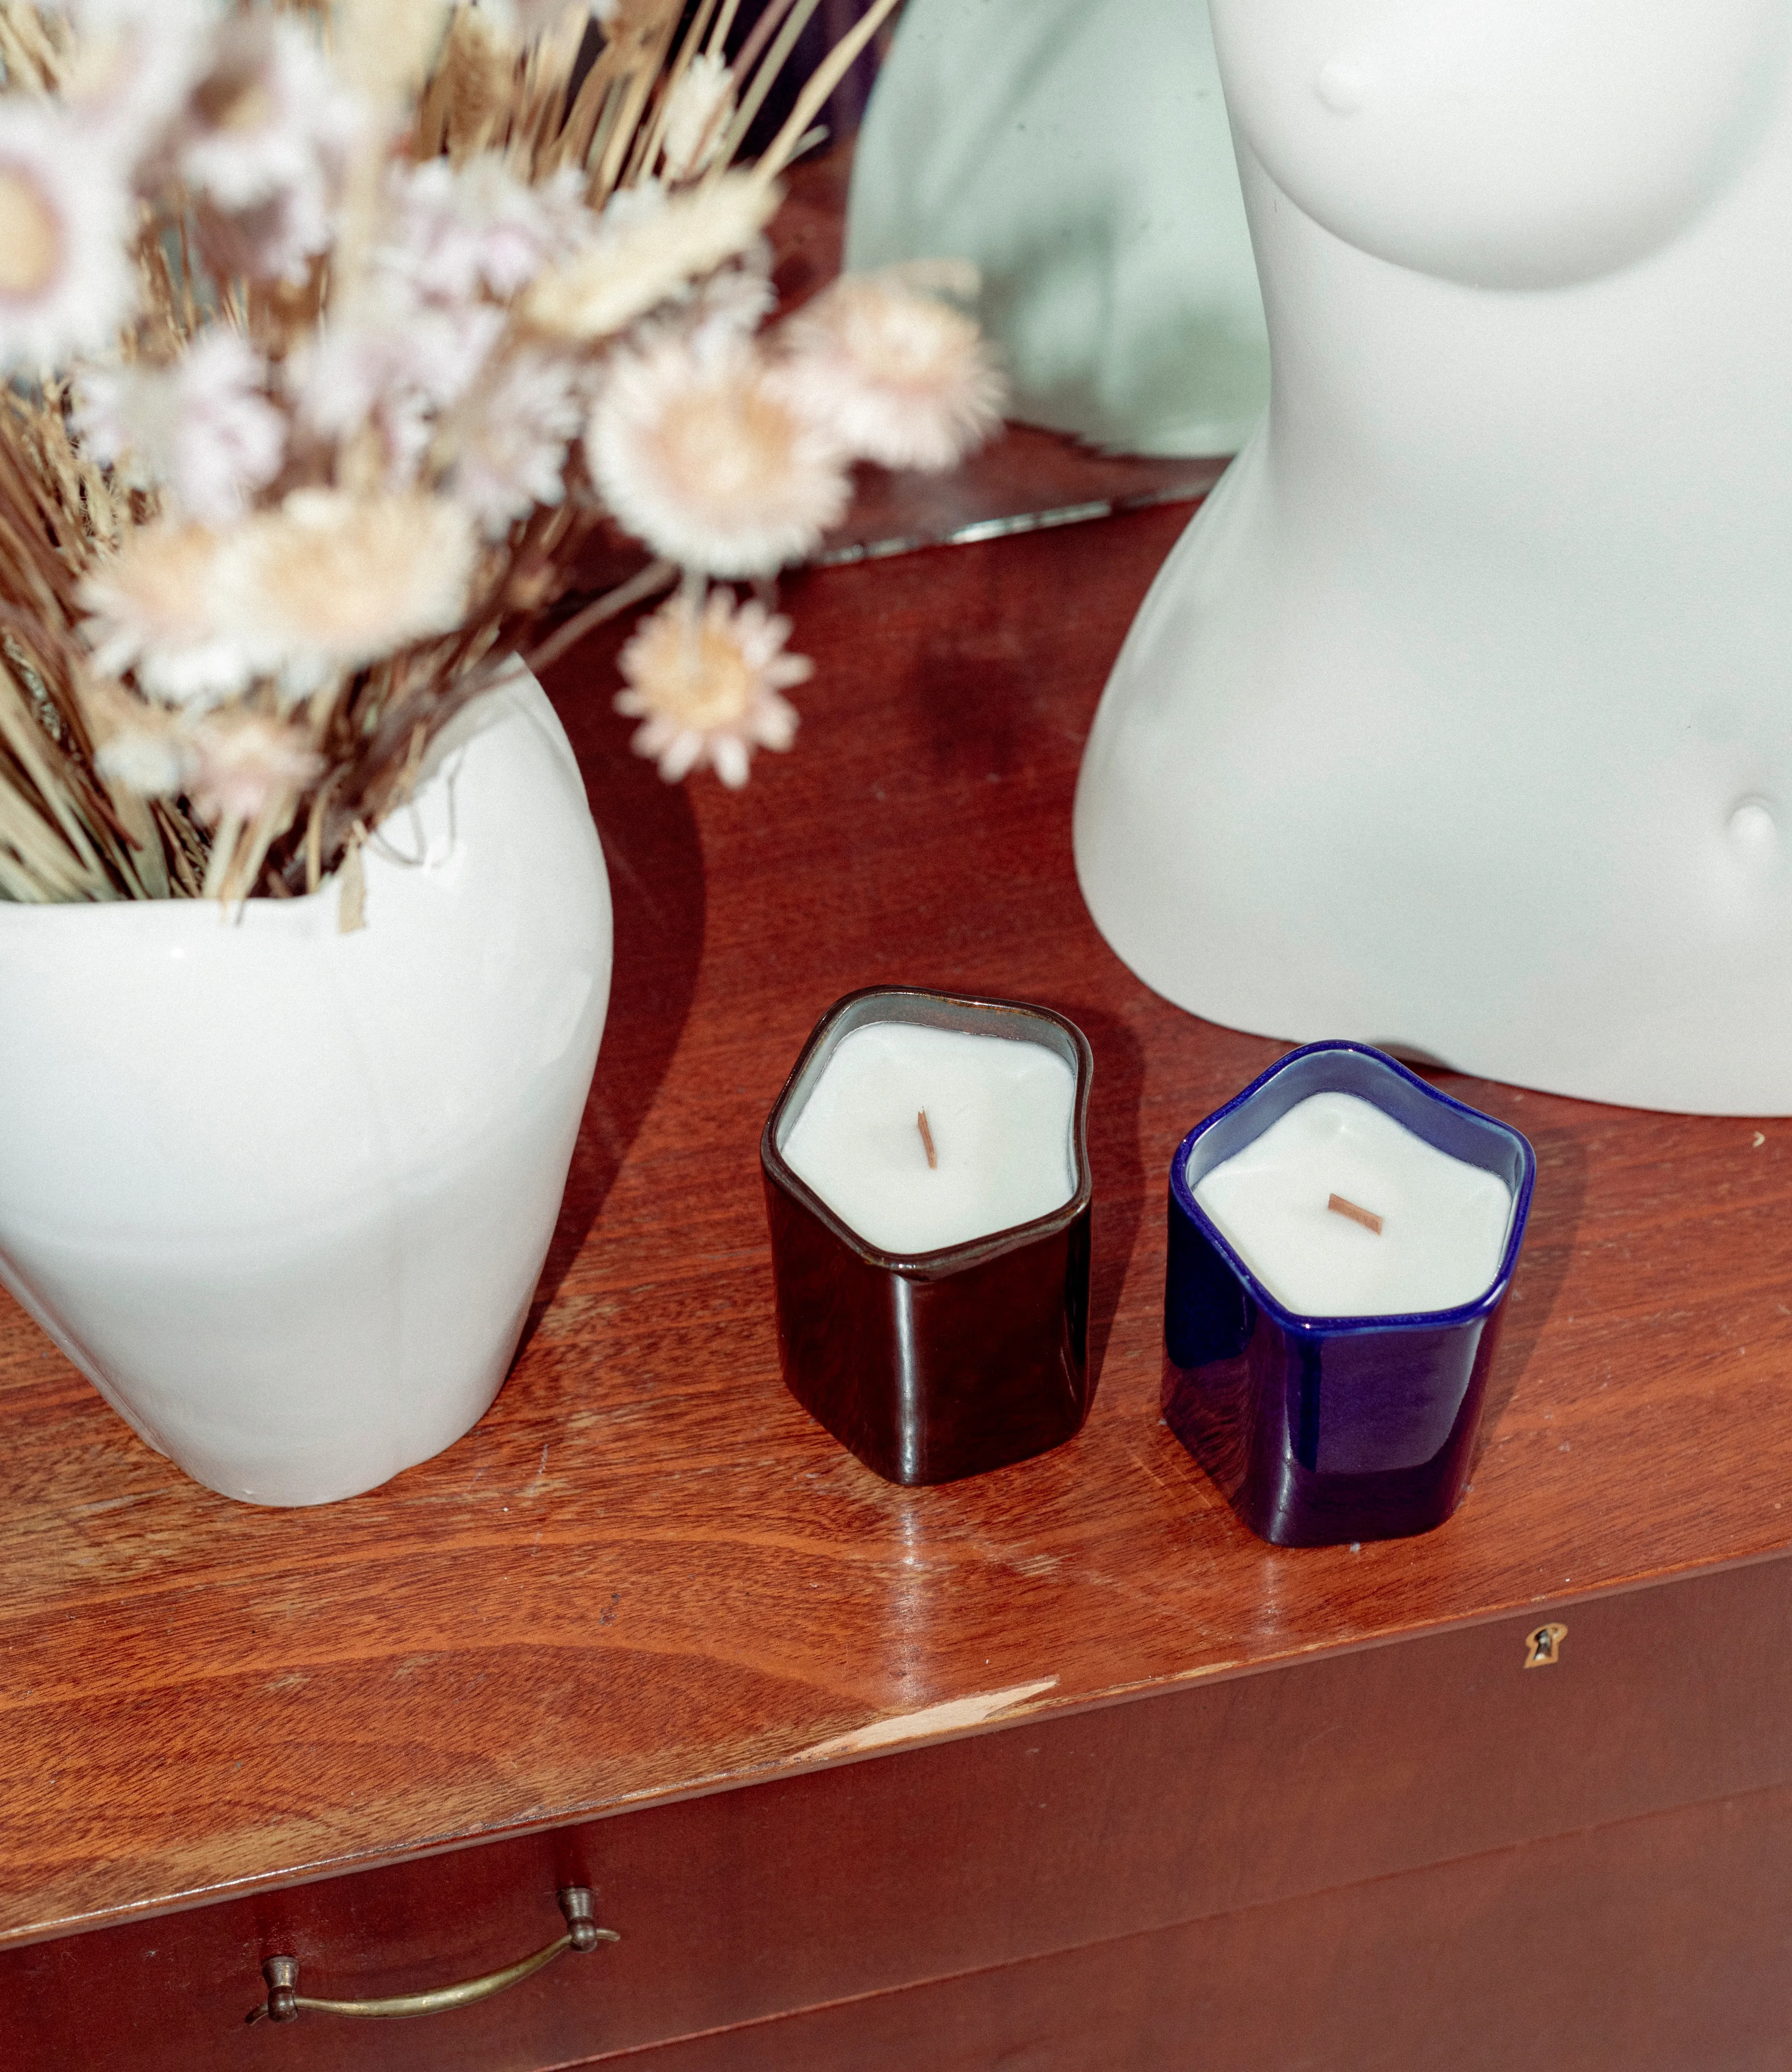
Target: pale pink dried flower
{"points": [[901, 378], [736, 299], [508, 440], [334, 580], [203, 428], [697, 117], [395, 364], [705, 685], [239, 764], [700, 454], [67, 282], [135, 63], [267, 140], [324, 583], [142, 750], [159, 608], [452, 230]]}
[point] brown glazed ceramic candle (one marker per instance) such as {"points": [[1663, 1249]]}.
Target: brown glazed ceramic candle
{"points": [[929, 1199]]}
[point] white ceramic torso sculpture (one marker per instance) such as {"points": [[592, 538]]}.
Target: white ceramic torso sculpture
{"points": [[1078, 151], [1461, 720]]}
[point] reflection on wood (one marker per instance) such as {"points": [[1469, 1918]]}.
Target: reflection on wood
{"points": [[1025, 480]]}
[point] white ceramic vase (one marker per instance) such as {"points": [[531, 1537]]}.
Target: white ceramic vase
{"points": [[1077, 150], [1458, 721], [281, 1192]]}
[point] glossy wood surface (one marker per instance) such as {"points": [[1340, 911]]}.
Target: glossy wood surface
{"points": [[1659, 1945], [1223, 1800], [648, 1574]]}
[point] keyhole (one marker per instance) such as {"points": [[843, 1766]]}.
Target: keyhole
{"points": [[1542, 1649]]}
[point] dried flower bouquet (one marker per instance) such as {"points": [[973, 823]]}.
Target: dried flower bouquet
{"points": [[329, 335]]}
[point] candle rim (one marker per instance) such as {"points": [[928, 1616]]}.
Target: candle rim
{"points": [[828, 1032], [1307, 1322]]}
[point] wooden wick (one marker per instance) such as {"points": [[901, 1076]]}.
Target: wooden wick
{"points": [[927, 1138], [1367, 1217]]}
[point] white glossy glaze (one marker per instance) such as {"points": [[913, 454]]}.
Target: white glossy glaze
{"points": [[1457, 720], [281, 1192]]}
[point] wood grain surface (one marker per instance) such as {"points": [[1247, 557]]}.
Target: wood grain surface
{"points": [[1220, 1801], [647, 1574], [1659, 1946]]}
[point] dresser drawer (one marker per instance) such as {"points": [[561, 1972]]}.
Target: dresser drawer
{"points": [[1654, 1946], [1042, 1836]]}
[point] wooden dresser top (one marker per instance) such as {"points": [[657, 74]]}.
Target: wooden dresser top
{"points": [[647, 1573]]}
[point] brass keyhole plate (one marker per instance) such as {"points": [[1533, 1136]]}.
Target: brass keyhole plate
{"points": [[1542, 1649]]}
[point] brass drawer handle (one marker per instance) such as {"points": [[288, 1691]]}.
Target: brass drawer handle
{"points": [[285, 2003]]}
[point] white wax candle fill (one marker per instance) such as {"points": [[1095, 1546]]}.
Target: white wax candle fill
{"points": [[1444, 1223], [999, 1110]]}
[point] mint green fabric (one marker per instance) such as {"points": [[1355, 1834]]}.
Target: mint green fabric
{"points": [[1077, 150]]}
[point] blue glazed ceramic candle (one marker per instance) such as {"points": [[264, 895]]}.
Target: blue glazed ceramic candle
{"points": [[1326, 1354]]}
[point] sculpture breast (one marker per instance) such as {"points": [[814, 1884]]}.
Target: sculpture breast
{"points": [[1457, 721], [1526, 144]]}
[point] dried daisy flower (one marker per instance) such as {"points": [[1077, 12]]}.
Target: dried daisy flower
{"points": [[698, 115], [269, 133], [333, 581], [394, 364], [203, 428], [417, 338], [509, 440], [736, 299], [157, 607], [453, 231], [649, 246], [325, 583], [338, 328], [67, 280], [705, 684], [240, 764], [134, 63], [700, 453], [141, 749], [902, 377]]}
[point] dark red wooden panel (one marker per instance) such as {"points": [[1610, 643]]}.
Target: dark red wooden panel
{"points": [[1663, 1945]]}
